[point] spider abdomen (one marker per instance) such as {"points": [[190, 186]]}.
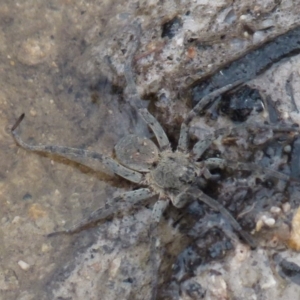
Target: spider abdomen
{"points": [[174, 171]]}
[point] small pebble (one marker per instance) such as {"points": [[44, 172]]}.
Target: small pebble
{"points": [[275, 210], [36, 211], [270, 283], [294, 240], [33, 112], [34, 51], [45, 248], [23, 265], [285, 115], [246, 34], [259, 225], [270, 222], [16, 220], [241, 253], [114, 267], [287, 149], [286, 207]]}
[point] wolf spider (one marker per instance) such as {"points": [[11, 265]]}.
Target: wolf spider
{"points": [[171, 176]]}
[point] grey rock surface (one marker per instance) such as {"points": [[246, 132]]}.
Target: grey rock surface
{"points": [[62, 63]]}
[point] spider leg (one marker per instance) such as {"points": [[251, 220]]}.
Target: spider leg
{"points": [[222, 163], [183, 142], [158, 131], [200, 147], [135, 31], [157, 212], [225, 213], [74, 153], [256, 167], [253, 126], [131, 89], [274, 127], [208, 99], [154, 258], [117, 204]]}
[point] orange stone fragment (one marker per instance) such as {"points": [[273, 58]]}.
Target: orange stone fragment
{"points": [[294, 240], [36, 211]]}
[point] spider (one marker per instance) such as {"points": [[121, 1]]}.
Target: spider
{"points": [[166, 174], [172, 176], [169, 175]]}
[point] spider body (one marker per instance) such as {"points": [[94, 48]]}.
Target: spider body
{"points": [[167, 173]]}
